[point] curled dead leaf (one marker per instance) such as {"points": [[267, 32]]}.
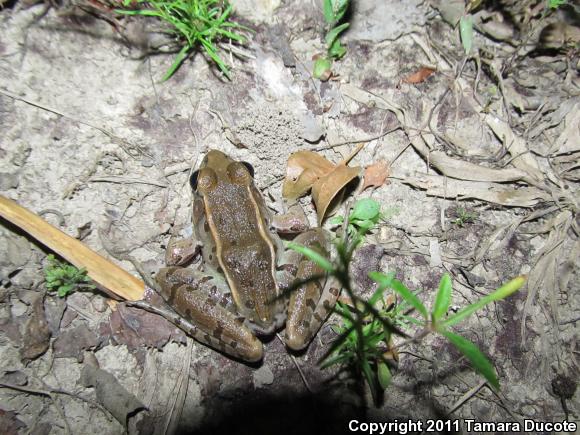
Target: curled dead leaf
{"points": [[327, 187], [376, 174], [419, 76], [304, 168]]}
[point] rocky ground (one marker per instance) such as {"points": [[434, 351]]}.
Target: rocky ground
{"points": [[483, 184]]}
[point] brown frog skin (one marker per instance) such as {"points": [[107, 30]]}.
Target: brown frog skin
{"points": [[241, 290]]}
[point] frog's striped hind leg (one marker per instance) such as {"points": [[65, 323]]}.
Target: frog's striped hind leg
{"points": [[197, 297], [311, 303]]}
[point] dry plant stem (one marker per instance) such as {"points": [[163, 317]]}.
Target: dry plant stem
{"points": [[295, 361], [49, 394], [125, 180], [99, 269], [468, 395], [51, 391], [348, 142]]}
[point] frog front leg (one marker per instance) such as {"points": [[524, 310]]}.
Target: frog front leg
{"points": [[311, 303], [182, 248], [205, 302]]}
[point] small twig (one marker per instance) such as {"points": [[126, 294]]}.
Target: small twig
{"points": [[468, 395], [306, 384], [47, 393], [364, 140], [50, 391], [125, 180]]}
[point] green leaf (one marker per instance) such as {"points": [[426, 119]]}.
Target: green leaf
{"points": [[320, 260], [333, 34], [364, 225], [555, 4], [480, 363], [366, 209], [466, 32], [336, 50], [328, 12], [322, 67], [384, 375], [178, 60], [336, 220], [370, 377], [443, 298], [63, 290], [212, 53], [501, 293], [339, 9], [399, 287], [379, 291]]}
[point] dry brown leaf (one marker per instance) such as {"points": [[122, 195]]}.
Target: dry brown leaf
{"points": [[490, 192], [304, 168], [110, 393], [72, 342], [36, 338], [134, 328], [376, 174], [327, 187], [419, 76]]}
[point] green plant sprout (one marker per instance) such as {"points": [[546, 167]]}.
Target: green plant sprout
{"points": [[462, 217], [364, 343], [555, 4], [193, 23], [334, 11], [64, 278]]}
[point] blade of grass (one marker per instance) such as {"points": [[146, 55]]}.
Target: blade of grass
{"points": [[398, 286], [320, 260], [501, 293], [475, 356], [333, 34], [443, 298], [176, 63]]}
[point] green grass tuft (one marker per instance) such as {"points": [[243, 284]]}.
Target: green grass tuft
{"points": [[195, 24]]}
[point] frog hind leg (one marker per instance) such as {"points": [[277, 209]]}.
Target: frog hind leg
{"points": [[311, 303], [196, 296]]}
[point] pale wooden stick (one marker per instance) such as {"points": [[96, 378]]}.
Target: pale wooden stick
{"points": [[99, 269]]}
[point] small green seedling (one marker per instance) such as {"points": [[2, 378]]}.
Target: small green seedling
{"points": [[64, 278], [463, 217], [193, 23], [436, 322], [364, 341], [365, 215], [334, 11], [555, 4]]}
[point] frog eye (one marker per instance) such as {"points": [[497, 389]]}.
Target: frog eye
{"points": [[206, 180], [240, 173], [249, 167], [193, 180]]}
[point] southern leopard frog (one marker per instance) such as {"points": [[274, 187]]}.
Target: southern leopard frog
{"points": [[241, 290]]}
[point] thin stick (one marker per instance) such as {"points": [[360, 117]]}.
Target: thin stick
{"points": [[306, 384], [99, 269]]}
